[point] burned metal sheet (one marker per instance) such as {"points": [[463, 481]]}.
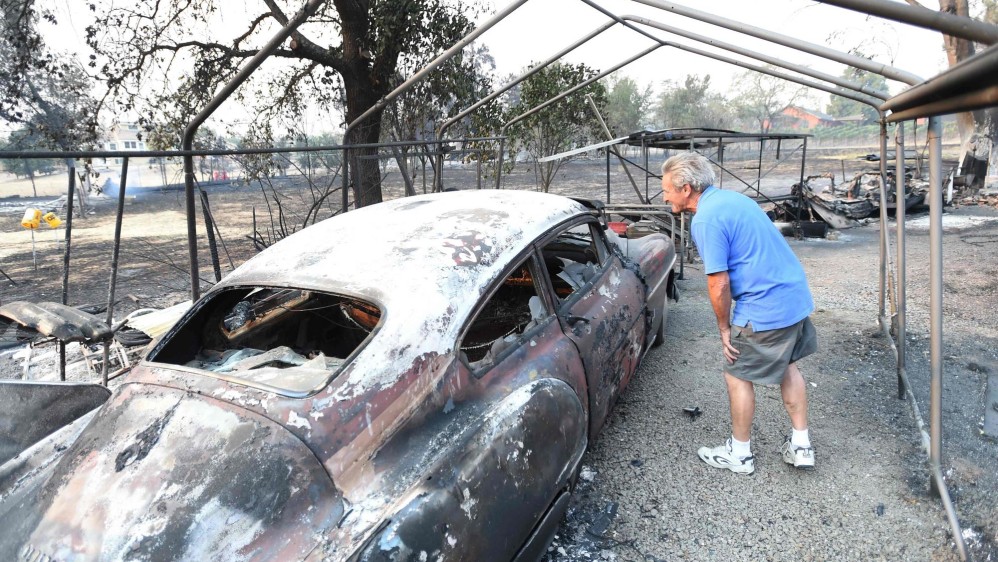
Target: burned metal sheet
{"points": [[59, 321]]}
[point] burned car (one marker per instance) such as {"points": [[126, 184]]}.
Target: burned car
{"points": [[413, 380]]}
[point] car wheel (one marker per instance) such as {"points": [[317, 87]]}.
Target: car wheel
{"points": [[660, 333]]}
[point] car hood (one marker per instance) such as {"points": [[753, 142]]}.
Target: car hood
{"points": [[160, 473]]}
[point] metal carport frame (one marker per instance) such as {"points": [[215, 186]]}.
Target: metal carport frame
{"points": [[958, 27]]}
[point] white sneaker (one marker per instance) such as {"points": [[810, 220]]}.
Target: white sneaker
{"points": [[722, 457], [799, 457]]}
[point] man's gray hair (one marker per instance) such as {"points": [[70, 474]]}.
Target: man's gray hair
{"points": [[690, 168]]}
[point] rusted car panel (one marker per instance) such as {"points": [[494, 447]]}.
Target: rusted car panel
{"points": [[517, 455], [449, 421]]}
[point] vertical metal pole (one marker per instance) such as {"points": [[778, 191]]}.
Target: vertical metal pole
{"points": [[65, 260], [644, 152], [346, 178], [882, 299], [209, 227], [192, 231], [438, 177], [899, 173], [720, 160], [187, 142], [682, 244], [758, 181], [499, 159], [800, 194], [934, 141], [607, 175], [358, 181], [114, 262], [479, 159]]}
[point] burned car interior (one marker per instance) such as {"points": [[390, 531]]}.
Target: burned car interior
{"points": [[571, 259], [512, 310], [285, 338]]}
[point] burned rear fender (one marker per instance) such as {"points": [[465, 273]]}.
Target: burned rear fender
{"points": [[482, 502], [160, 473]]}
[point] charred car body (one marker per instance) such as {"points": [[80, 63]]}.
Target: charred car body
{"points": [[413, 380]]}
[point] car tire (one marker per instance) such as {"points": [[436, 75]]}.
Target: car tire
{"points": [[660, 332]]}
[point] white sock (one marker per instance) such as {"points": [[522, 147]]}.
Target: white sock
{"points": [[800, 438], [741, 449]]}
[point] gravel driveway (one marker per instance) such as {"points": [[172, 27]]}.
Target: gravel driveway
{"points": [[868, 498]]}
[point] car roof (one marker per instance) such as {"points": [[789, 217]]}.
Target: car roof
{"points": [[424, 259]]}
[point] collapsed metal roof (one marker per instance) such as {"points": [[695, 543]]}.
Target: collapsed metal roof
{"points": [[693, 138]]}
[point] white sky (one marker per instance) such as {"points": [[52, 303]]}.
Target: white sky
{"points": [[540, 28]]}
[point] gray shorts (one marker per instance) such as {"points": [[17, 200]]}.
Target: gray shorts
{"points": [[764, 356]]}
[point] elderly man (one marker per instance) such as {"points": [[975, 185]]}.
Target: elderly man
{"points": [[748, 262]]}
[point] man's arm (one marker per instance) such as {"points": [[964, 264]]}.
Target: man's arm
{"points": [[719, 290]]}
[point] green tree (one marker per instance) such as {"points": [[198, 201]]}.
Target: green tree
{"points": [[627, 105], [42, 92], [419, 112], [692, 104], [45, 94], [348, 54], [560, 126], [762, 98], [842, 107], [25, 139]]}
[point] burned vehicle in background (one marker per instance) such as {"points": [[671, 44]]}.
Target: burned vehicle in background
{"points": [[413, 380]]}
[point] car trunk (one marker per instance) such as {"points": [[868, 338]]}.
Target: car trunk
{"points": [[161, 473]]}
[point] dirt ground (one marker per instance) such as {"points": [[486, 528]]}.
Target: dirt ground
{"points": [[868, 500]]}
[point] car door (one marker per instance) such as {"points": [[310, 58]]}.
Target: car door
{"points": [[600, 306]]}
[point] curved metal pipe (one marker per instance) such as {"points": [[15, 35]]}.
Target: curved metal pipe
{"points": [[787, 41], [862, 98], [577, 87], [800, 69], [534, 70], [920, 16]]}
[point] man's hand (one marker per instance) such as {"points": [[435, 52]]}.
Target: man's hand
{"points": [[719, 291], [730, 352]]}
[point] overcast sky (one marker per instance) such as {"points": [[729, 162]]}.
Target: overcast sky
{"points": [[540, 28]]}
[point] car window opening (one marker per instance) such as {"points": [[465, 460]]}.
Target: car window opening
{"points": [[514, 309], [571, 259], [285, 338]]}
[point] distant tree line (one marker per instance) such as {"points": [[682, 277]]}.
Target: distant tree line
{"points": [[159, 62]]}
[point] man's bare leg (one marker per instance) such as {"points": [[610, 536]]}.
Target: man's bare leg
{"points": [[794, 392], [741, 397]]}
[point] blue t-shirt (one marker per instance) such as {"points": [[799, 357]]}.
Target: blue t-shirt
{"points": [[767, 281]]}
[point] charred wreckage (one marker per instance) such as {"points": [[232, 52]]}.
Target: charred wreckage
{"points": [[421, 391]]}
